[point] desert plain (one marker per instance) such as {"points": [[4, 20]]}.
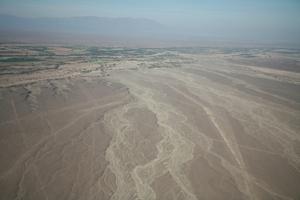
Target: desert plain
{"points": [[149, 123]]}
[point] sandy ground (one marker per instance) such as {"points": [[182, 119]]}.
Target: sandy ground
{"points": [[194, 126]]}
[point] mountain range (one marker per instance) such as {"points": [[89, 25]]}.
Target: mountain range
{"points": [[104, 26]]}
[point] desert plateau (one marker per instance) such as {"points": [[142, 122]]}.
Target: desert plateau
{"points": [[80, 122]]}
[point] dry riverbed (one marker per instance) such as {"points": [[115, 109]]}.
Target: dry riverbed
{"points": [[178, 123]]}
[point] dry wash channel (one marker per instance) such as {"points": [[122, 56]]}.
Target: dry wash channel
{"points": [[166, 125]]}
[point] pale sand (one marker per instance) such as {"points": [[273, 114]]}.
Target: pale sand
{"points": [[208, 129]]}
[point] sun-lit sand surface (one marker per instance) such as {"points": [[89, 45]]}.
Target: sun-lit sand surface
{"points": [[151, 124]]}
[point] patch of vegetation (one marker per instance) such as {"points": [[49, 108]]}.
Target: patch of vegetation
{"points": [[93, 50], [41, 50], [190, 50], [118, 52], [20, 59]]}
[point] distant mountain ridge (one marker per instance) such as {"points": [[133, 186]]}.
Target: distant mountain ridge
{"points": [[128, 32], [87, 24]]}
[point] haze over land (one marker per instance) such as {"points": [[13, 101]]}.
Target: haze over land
{"points": [[164, 23], [184, 100]]}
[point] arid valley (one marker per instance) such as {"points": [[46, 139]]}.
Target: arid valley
{"points": [[149, 123]]}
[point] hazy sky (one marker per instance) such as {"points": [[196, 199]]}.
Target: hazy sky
{"points": [[258, 18]]}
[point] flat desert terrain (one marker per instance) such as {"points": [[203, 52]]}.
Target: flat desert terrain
{"points": [[140, 124]]}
